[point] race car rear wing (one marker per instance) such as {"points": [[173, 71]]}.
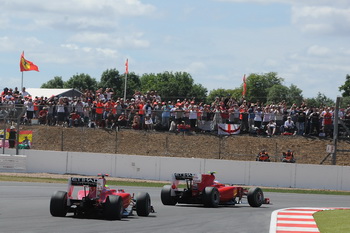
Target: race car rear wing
{"points": [[184, 176], [81, 181]]}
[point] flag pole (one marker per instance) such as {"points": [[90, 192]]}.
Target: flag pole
{"points": [[22, 82], [126, 77]]}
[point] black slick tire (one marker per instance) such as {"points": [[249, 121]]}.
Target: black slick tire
{"points": [[58, 204], [165, 196], [255, 197], [113, 208], [143, 204], [211, 197]]}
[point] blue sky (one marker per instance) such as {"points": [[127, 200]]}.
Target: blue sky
{"points": [[217, 41]]}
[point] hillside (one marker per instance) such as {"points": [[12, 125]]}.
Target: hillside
{"points": [[238, 147]]}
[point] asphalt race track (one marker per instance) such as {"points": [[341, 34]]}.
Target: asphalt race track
{"points": [[24, 208]]}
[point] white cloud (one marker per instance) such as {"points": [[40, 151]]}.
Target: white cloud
{"points": [[74, 14], [196, 67], [318, 50], [322, 19]]}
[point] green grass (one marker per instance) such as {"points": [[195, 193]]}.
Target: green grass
{"points": [[333, 221]]}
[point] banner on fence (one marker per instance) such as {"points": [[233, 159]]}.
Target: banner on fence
{"points": [[204, 125], [228, 129], [21, 138]]}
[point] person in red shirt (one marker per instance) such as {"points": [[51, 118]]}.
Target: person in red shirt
{"points": [[327, 122], [75, 119], [43, 116], [99, 112]]}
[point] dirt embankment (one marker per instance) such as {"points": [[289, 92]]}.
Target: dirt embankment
{"points": [[150, 143]]}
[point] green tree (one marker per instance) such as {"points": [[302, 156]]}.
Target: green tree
{"points": [[111, 78], [294, 95], [220, 92], [320, 101], [81, 82], [56, 82], [345, 87], [277, 93], [345, 102], [172, 85], [258, 86]]}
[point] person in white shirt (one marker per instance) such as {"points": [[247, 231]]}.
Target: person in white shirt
{"points": [[288, 126]]}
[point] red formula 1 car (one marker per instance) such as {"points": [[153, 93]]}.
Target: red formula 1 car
{"points": [[95, 197], [203, 189]]}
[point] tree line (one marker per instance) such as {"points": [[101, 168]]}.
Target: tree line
{"points": [[266, 88]]}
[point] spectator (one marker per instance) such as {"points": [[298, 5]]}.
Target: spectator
{"points": [[122, 120], [165, 115], [75, 119], [193, 116], [26, 144], [179, 113], [251, 116], [314, 122], [43, 116], [327, 122], [12, 137], [50, 114], [244, 119], [258, 118], [61, 112], [30, 109], [99, 112], [300, 124], [136, 121], [288, 157], [288, 127], [148, 123], [24, 92], [271, 128]]}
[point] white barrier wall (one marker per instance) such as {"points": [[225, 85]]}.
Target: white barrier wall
{"points": [[161, 168]]}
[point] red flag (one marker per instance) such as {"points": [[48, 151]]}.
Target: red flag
{"points": [[127, 66], [244, 86], [26, 65]]}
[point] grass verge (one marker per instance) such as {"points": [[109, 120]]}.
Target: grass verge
{"points": [[330, 221]]}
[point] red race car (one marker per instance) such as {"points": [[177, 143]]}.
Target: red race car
{"points": [[96, 197], [203, 189]]}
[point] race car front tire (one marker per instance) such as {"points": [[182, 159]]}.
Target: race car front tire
{"points": [[211, 197], [58, 204], [143, 204], [165, 196], [113, 207], [255, 197]]}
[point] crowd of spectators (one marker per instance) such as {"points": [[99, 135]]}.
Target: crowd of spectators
{"points": [[148, 111]]}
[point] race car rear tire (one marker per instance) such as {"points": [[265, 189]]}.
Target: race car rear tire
{"points": [[211, 197], [165, 196], [255, 197], [113, 208], [143, 204], [58, 204]]}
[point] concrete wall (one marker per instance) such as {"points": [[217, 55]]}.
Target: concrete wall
{"points": [[160, 168]]}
